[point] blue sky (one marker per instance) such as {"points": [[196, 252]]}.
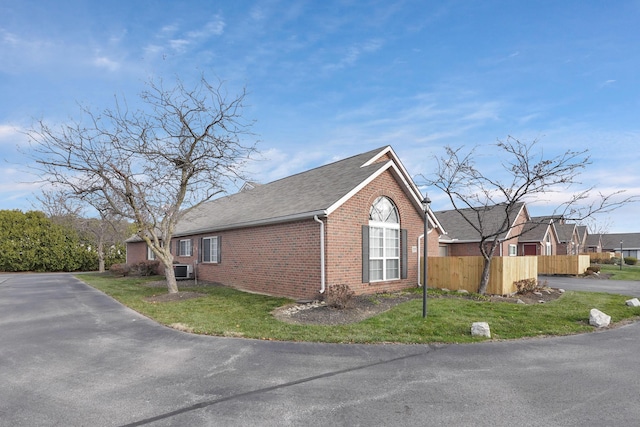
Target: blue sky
{"points": [[331, 79]]}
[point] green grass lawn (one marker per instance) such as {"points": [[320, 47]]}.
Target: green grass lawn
{"points": [[228, 312], [627, 272]]}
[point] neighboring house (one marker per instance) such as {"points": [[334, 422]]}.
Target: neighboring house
{"points": [[628, 242], [583, 234], [593, 243], [356, 222], [539, 237], [568, 240], [463, 239]]}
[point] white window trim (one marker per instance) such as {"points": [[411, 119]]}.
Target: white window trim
{"points": [[513, 249], [385, 226], [151, 256], [188, 247], [213, 249]]}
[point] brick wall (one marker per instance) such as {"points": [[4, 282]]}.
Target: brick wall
{"points": [[280, 260], [344, 237], [284, 259], [136, 252]]}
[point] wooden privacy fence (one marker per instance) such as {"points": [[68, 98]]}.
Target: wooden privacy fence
{"points": [[597, 256], [465, 272], [573, 265]]}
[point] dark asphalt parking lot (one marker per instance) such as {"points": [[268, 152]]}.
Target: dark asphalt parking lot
{"points": [[71, 356]]}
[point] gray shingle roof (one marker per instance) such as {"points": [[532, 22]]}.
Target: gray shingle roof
{"points": [[535, 230], [565, 232], [612, 241], [492, 218], [295, 197]]}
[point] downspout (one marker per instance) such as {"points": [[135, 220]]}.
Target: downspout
{"points": [[322, 261], [420, 237]]}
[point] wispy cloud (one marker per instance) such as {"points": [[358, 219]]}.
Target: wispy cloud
{"points": [[171, 40], [607, 83], [354, 52], [106, 63]]}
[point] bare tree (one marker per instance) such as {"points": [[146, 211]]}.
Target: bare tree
{"points": [[529, 175], [151, 165]]}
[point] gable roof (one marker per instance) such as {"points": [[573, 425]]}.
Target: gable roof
{"points": [[492, 218], [536, 229], [612, 241], [565, 232], [318, 191], [593, 240]]}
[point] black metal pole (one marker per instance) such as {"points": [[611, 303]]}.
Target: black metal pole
{"points": [[424, 258]]}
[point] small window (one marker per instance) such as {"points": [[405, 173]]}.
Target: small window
{"points": [[211, 249], [150, 254], [513, 250], [185, 248]]}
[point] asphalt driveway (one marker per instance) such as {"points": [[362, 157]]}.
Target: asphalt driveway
{"points": [[621, 287], [71, 356]]}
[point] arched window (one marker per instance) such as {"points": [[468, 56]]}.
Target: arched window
{"points": [[384, 241]]}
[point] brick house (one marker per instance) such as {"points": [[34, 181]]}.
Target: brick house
{"points": [[540, 237], [357, 221], [463, 237]]}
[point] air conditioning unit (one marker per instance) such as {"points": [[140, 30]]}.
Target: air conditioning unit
{"points": [[183, 271]]}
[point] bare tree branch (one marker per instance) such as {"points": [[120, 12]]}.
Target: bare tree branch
{"points": [[150, 165], [528, 175]]}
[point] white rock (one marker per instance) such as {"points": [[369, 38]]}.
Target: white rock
{"points": [[561, 290], [463, 291], [480, 329], [634, 302], [598, 318], [538, 293], [520, 301]]}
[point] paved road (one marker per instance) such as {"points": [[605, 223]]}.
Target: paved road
{"points": [[593, 285], [71, 356]]}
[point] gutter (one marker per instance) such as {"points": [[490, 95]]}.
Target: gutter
{"points": [[255, 223], [322, 260]]}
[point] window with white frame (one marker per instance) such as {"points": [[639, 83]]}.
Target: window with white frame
{"points": [[513, 250], [211, 249], [547, 246], [150, 254], [185, 248], [384, 241]]}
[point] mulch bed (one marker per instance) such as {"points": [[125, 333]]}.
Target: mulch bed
{"points": [[366, 306]]}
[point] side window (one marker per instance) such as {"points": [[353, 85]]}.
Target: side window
{"points": [[513, 250], [150, 254], [211, 249], [185, 248]]}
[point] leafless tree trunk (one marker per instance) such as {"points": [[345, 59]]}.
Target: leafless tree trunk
{"points": [[66, 209], [153, 164]]}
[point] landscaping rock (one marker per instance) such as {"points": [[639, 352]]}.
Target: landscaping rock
{"points": [[561, 290], [634, 302], [520, 301], [538, 293], [598, 318], [463, 291], [480, 329]]}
